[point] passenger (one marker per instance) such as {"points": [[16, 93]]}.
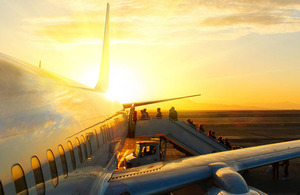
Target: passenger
{"points": [[191, 123], [213, 135], [220, 139], [201, 128], [227, 144], [142, 115], [134, 116], [209, 133], [173, 114], [275, 170], [158, 115], [146, 115], [285, 165]]}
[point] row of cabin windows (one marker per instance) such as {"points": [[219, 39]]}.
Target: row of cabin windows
{"points": [[19, 176]]}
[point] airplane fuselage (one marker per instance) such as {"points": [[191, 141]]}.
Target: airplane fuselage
{"points": [[41, 114]]}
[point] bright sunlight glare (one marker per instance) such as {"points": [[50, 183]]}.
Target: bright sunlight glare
{"points": [[124, 85]]}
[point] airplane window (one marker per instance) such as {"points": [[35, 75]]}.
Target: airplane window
{"points": [[70, 146], [97, 139], [102, 130], [105, 134], [79, 149], [53, 167], [109, 128], [19, 180], [1, 189], [38, 175], [84, 147], [63, 160], [109, 134], [89, 142]]}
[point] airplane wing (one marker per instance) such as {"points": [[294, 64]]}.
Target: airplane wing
{"points": [[222, 167], [128, 105]]}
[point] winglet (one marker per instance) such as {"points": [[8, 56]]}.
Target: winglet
{"points": [[102, 83]]}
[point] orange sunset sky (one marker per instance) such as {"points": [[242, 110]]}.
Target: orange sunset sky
{"points": [[241, 54]]}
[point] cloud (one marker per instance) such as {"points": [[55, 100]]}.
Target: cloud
{"points": [[167, 22], [77, 5], [247, 19], [66, 30], [247, 4], [70, 32]]}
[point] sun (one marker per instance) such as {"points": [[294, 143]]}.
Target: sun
{"points": [[124, 85]]}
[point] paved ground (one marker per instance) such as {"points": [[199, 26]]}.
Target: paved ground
{"points": [[260, 179]]}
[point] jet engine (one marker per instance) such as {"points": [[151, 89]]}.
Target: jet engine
{"points": [[228, 181]]}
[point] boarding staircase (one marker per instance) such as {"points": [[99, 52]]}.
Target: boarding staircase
{"points": [[180, 134]]}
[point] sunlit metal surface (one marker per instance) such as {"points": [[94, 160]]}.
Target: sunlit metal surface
{"points": [[40, 111]]}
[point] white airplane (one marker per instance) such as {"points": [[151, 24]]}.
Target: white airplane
{"points": [[59, 137]]}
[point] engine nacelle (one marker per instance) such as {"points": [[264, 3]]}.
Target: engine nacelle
{"points": [[228, 181]]}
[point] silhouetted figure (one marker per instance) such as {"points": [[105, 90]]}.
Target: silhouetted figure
{"points": [[285, 164], [227, 144], [134, 116], [173, 114], [220, 140], [201, 128], [145, 114], [158, 115], [191, 123], [213, 135], [142, 115], [275, 170], [209, 133]]}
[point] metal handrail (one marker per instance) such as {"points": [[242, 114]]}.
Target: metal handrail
{"points": [[194, 132]]}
